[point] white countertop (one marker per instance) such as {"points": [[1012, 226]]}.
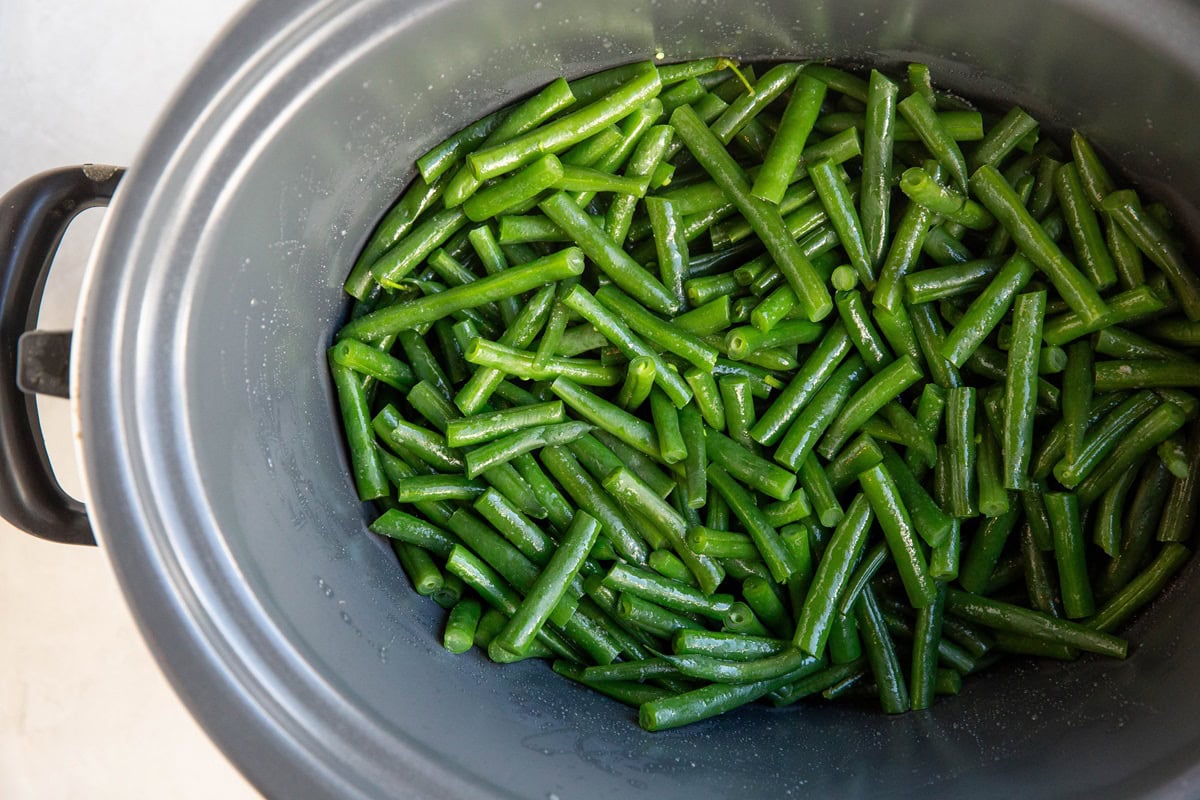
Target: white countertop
{"points": [[84, 710]]}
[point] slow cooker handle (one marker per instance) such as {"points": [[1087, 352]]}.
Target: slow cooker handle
{"points": [[33, 218]]}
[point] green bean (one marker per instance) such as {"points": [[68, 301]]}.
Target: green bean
{"points": [[763, 217], [1116, 342], [905, 249], [503, 515], [714, 699], [367, 360], [926, 638], [874, 202], [794, 128], [922, 188], [1134, 304], [369, 478], [986, 310], [427, 445], [1000, 199], [639, 379], [620, 423], [1155, 427], [396, 224], [1015, 126], [1104, 437], [402, 527], [1014, 619], [1156, 243], [1142, 589], [873, 395], [816, 484], [1116, 375], [839, 207], [930, 335], [647, 156], [669, 565], [1077, 398], [1173, 452], [961, 451], [651, 617], [424, 574], [461, 625], [1069, 554], [551, 585], [517, 189], [815, 618], [815, 418], [984, 552], [870, 345], [749, 468], [943, 244], [406, 316], [667, 593], [884, 496], [721, 544], [1084, 227], [494, 591], [936, 135], [523, 364], [765, 537], [739, 407], [607, 254], [1110, 512], [949, 281], [1179, 516], [588, 496], [633, 494], [466, 431], [506, 448], [569, 129], [881, 655], [666, 425], [665, 335], [822, 363], [1021, 388], [928, 519]]}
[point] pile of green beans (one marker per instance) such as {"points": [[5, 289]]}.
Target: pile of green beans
{"points": [[711, 385]]}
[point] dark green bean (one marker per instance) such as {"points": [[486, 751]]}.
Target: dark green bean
{"points": [[986, 310], [815, 418], [794, 128], [999, 198], [1142, 589], [1014, 619], [369, 477], [763, 217], [1150, 237], [1005, 135], [880, 651], [936, 135], [1020, 389], [815, 617], [551, 585]]}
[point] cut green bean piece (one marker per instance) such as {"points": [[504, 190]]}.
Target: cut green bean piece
{"points": [[1000, 199], [884, 497], [763, 217], [935, 135], [1020, 388], [815, 618], [1014, 619]]}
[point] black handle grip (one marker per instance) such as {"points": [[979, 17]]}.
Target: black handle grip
{"points": [[33, 218]]}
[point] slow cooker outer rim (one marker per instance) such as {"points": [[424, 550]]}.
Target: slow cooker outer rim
{"points": [[220, 700]]}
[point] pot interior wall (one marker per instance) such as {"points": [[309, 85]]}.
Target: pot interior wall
{"points": [[298, 171]]}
